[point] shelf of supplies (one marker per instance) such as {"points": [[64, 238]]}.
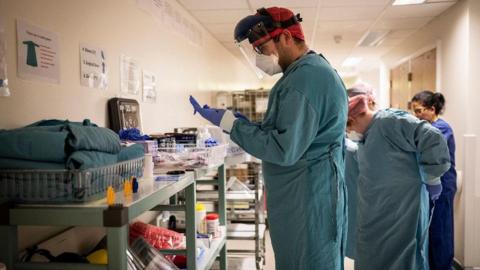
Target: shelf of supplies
{"points": [[237, 159], [92, 213], [230, 196], [239, 231], [211, 254], [59, 266]]}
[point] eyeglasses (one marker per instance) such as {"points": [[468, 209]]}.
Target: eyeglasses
{"points": [[419, 110]]}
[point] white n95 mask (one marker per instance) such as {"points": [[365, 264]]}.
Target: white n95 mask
{"points": [[355, 136], [268, 64]]}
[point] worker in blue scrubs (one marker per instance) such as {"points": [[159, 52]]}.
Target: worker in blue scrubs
{"points": [[428, 106], [300, 142], [400, 162], [351, 170]]}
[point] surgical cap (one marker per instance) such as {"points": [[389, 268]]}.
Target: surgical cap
{"points": [[279, 14], [362, 89], [357, 105]]}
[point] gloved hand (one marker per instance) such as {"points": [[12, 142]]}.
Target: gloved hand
{"points": [[241, 116], [212, 115], [237, 114], [434, 191]]}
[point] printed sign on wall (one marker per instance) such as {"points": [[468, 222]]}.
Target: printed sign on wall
{"points": [[130, 75], [149, 87], [37, 53], [93, 67]]}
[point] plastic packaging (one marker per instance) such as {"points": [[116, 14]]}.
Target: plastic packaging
{"points": [[150, 257], [158, 237], [213, 225], [200, 218]]}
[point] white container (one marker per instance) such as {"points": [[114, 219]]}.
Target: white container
{"points": [[213, 225], [200, 218], [148, 166]]}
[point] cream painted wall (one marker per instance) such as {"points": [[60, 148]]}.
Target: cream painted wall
{"points": [[119, 27], [472, 180], [451, 28], [458, 33]]}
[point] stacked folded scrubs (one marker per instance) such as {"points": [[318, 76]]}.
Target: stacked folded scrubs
{"points": [[61, 144]]}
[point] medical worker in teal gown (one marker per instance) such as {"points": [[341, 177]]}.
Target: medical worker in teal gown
{"points": [[300, 142], [400, 161], [351, 170]]}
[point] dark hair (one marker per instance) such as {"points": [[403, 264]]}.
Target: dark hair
{"points": [[430, 99]]}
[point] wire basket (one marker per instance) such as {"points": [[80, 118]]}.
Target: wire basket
{"points": [[62, 186], [191, 157]]}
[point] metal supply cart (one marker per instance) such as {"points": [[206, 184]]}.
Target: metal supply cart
{"points": [[116, 220]]}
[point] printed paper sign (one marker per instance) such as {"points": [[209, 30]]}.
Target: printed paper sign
{"points": [[149, 87], [130, 75], [93, 67], [37, 53]]}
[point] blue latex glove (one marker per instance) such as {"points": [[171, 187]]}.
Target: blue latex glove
{"points": [[239, 115], [434, 191], [236, 114], [212, 115], [132, 134]]}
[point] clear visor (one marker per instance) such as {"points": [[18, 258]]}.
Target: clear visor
{"points": [[251, 46], [249, 55]]}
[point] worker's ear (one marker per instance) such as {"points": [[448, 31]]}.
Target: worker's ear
{"points": [[288, 37]]}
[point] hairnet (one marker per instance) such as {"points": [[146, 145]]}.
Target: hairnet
{"points": [[280, 15], [362, 89], [357, 105]]}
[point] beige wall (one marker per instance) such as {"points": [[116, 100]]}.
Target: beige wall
{"points": [[119, 27]]}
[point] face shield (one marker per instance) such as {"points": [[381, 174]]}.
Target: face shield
{"points": [[251, 44]]}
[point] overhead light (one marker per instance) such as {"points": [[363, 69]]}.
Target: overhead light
{"points": [[407, 2], [373, 38], [352, 61]]}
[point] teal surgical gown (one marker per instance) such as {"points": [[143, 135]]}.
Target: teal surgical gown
{"points": [[351, 177], [300, 142], [399, 155]]}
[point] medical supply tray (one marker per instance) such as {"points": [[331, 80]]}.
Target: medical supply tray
{"points": [[66, 186], [191, 157]]}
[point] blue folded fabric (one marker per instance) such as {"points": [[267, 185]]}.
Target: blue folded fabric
{"points": [[131, 152], [90, 138], [35, 144], [90, 159], [56, 122], [20, 164]]}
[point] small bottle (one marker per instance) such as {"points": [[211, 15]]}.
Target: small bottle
{"points": [[202, 137], [200, 215], [213, 225]]}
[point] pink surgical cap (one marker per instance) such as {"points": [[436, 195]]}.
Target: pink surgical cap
{"points": [[357, 105], [362, 88]]}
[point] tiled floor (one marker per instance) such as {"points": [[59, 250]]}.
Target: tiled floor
{"points": [[248, 263], [271, 261]]}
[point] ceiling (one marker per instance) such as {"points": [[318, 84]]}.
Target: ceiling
{"points": [[349, 19]]}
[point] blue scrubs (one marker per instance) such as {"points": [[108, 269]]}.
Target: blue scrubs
{"points": [[441, 248], [399, 155], [300, 142], [351, 178]]}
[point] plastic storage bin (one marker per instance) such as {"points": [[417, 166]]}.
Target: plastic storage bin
{"points": [[63, 186], [191, 157]]}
